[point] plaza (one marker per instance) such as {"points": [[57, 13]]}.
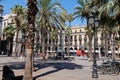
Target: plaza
{"points": [[77, 69], [43, 33]]}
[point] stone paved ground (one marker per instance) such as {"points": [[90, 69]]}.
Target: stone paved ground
{"points": [[77, 69]]}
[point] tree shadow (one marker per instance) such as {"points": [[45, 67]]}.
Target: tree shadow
{"points": [[47, 73], [52, 71], [18, 77], [57, 66], [15, 65]]}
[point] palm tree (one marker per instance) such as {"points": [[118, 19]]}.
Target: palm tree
{"points": [[95, 5], [69, 18], [112, 8], [68, 31], [49, 14], [109, 19], [8, 32], [107, 24], [64, 15], [18, 11], [32, 11], [86, 9], [83, 11], [22, 29]]}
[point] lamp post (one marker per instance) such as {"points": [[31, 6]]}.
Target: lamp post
{"points": [[94, 24]]}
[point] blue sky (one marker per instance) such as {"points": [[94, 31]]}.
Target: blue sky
{"points": [[67, 4]]}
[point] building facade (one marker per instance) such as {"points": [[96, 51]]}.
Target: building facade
{"points": [[8, 20], [77, 38]]}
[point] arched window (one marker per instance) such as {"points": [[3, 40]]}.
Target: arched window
{"points": [[71, 48]]}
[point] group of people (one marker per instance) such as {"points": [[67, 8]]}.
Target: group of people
{"points": [[81, 52]]}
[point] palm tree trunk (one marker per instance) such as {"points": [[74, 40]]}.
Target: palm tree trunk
{"points": [[90, 36], [43, 45], [29, 59], [90, 49], [53, 47], [32, 11], [33, 67], [9, 49], [69, 43], [113, 51], [28, 65], [43, 39], [68, 47], [16, 44], [106, 45]]}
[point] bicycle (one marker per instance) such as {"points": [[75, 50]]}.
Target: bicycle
{"points": [[110, 67], [115, 68]]}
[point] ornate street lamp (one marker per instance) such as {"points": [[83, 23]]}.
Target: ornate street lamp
{"points": [[96, 25], [93, 22]]}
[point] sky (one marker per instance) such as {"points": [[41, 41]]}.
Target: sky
{"points": [[67, 4]]}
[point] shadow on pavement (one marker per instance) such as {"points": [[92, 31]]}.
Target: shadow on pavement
{"points": [[15, 65], [57, 66], [18, 77], [46, 73]]}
